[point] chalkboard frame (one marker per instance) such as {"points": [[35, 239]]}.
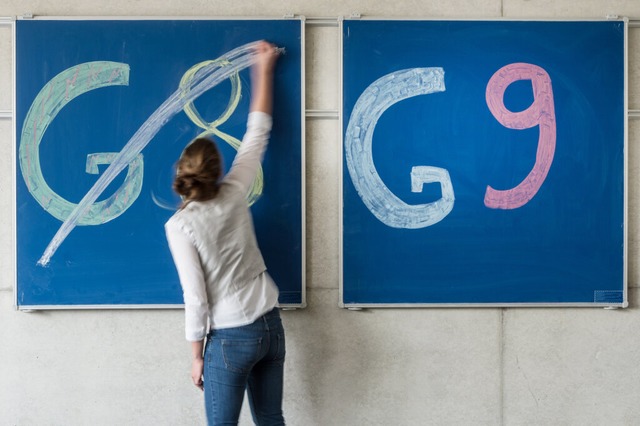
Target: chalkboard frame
{"points": [[302, 163], [344, 178]]}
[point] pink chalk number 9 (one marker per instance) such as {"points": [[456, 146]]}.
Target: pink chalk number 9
{"points": [[541, 113]]}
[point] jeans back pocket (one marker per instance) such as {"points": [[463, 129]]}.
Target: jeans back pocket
{"points": [[240, 355]]}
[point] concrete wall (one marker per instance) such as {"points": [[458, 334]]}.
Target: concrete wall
{"points": [[376, 367]]}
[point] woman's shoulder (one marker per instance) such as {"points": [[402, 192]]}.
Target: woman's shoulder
{"points": [[182, 220], [178, 218], [175, 220]]}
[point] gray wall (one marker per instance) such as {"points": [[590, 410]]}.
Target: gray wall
{"points": [[377, 367]]}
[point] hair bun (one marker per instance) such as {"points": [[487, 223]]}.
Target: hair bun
{"points": [[198, 171]]}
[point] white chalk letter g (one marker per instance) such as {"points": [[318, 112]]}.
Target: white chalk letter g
{"points": [[374, 101]]}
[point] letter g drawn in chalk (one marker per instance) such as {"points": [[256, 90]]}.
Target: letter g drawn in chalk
{"points": [[374, 101], [57, 93]]}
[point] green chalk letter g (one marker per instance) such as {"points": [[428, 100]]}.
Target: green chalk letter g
{"points": [[58, 92]]}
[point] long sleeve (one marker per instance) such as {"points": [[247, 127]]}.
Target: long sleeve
{"points": [[251, 151], [187, 261]]}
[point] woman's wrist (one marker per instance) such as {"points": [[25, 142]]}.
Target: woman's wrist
{"points": [[197, 350]]}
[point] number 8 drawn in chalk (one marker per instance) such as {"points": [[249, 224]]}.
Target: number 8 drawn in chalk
{"points": [[212, 128]]}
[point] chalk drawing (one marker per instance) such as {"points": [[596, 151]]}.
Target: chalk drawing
{"points": [[57, 93], [374, 101], [541, 113], [212, 128], [203, 79]]}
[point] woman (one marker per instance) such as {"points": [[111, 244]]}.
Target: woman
{"points": [[229, 297]]}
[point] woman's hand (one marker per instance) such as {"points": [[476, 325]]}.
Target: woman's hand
{"points": [[266, 58], [262, 77], [197, 369]]}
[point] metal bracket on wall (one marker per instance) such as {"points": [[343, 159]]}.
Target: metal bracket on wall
{"points": [[330, 114], [322, 22], [6, 21]]}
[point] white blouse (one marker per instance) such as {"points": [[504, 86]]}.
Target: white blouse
{"points": [[231, 304]]}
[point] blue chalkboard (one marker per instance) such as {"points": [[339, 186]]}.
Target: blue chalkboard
{"points": [[84, 90], [513, 135]]}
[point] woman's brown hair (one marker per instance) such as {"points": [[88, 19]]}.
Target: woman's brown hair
{"points": [[198, 171]]}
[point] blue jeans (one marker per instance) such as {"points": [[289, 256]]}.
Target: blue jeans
{"points": [[250, 357]]}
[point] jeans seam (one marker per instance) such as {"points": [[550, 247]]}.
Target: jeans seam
{"points": [[211, 397]]}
